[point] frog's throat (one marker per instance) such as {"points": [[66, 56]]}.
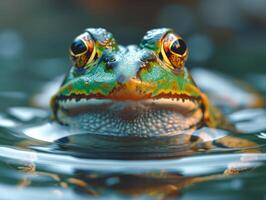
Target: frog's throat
{"points": [[75, 101], [212, 117], [130, 117], [83, 103]]}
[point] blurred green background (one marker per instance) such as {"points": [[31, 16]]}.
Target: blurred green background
{"points": [[228, 36]]}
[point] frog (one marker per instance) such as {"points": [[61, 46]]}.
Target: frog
{"points": [[143, 96], [143, 90]]}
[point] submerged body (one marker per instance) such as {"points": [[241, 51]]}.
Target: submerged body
{"points": [[142, 90]]}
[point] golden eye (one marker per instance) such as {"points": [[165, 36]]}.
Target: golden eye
{"points": [[82, 50], [174, 50]]}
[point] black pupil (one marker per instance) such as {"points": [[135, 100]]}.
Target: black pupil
{"points": [[78, 47], [179, 47]]}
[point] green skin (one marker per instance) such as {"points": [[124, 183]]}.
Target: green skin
{"points": [[132, 74]]}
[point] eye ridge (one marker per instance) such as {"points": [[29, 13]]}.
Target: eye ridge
{"points": [[179, 47]]}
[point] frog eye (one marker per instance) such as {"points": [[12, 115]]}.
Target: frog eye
{"points": [[82, 50], [178, 47], [174, 51]]}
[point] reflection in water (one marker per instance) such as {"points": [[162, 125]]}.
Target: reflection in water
{"points": [[77, 165], [72, 174]]}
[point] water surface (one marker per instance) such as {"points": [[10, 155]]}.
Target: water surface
{"points": [[44, 160]]}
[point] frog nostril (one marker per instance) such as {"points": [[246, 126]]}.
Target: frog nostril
{"points": [[109, 59], [110, 62], [121, 78]]}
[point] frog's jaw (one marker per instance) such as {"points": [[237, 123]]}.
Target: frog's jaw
{"points": [[169, 109], [155, 84], [185, 113], [143, 118], [132, 90]]}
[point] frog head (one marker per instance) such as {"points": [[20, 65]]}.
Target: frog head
{"points": [[142, 88]]}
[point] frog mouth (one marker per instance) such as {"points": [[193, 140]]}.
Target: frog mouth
{"points": [[80, 103], [161, 115]]}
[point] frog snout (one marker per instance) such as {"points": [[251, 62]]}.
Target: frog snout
{"points": [[126, 70]]}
